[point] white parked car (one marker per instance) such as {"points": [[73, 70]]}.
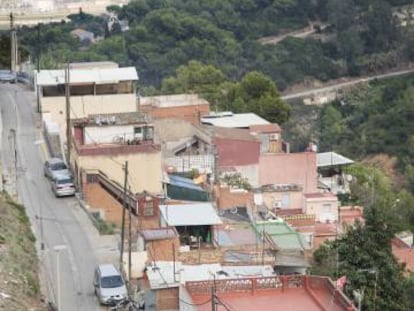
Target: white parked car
{"points": [[55, 166], [109, 285], [62, 185]]}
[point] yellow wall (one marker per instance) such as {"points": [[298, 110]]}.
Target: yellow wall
{"points": [[316, 207], [82, 106], [145, 171]]}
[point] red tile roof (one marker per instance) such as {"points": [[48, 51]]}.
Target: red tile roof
{"points": [[325, 229], [406, 256], [398, 243]]}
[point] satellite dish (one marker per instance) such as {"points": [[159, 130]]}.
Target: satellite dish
{"points": [[234, 210]]}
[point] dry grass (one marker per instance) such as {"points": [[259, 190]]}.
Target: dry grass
{"points": [[19, 283]]}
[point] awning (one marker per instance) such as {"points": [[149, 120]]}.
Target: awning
{"points": [[85, 76], [196, 214], [331, 158]]}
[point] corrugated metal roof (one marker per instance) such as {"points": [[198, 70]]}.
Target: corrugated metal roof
{"points": [[331, 159], [197, 214], [159, 233], [282, 235], [79, 76], [236, 120], [291, 259]]}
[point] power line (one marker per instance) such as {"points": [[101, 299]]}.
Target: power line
{"points": [[195, 304]]}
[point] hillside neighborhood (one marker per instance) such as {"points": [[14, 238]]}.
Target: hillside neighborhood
{"points": [[206, 155], [217, 205]]}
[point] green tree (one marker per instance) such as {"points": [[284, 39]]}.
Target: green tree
{"points": [[4, 51], [331, 125], [258, 93], [195, 77], [382, 31], [342, 14], [364, 256]]}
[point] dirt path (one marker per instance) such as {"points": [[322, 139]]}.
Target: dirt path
{"points": [[301, 33]]}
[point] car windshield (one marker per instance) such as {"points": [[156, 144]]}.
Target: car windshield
{"points": [[58, 166], [111, 281]]}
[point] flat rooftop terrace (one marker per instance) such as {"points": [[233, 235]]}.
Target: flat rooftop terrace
{"points": [[284, 293], [290, 300]]}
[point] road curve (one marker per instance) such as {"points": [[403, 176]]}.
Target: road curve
{"points": [[334, 87]]}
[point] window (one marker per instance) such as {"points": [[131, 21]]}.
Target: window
{"points": [[327, 208], [113, 281], [285, 200], [148, 208]]}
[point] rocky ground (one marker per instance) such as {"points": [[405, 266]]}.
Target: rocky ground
{"points": [[19, 283]]}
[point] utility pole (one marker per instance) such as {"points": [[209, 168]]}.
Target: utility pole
{"points": [[173, 253], [38, 47], [123, 217], [38, 67], [68, 129], [263, 246], [13, 45], [213, 295], [129, 244], [13, 136]]}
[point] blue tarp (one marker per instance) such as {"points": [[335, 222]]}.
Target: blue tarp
{"points": [[183, 182]]}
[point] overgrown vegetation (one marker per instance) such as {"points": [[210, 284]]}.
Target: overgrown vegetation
{"points": [[373, 119], [236, 181], [102, 226], [18, 259], [364, 253]]}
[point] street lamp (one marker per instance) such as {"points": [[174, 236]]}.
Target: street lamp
{"points": [[57, 249], [40, 217]]}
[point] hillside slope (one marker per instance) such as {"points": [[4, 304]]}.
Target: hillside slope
{"points": [[19, 285]]}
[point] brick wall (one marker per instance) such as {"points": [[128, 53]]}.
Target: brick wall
{"points": [[97, 198], [227, 199], [233, 152], [167, 299], [191, 113], [162, 250]]}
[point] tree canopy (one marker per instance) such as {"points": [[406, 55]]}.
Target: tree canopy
{"points": [[255, 92], [357, 37], [363, 254]]}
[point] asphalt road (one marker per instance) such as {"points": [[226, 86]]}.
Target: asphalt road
{"points": [[60, 224], [334, 87]]}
